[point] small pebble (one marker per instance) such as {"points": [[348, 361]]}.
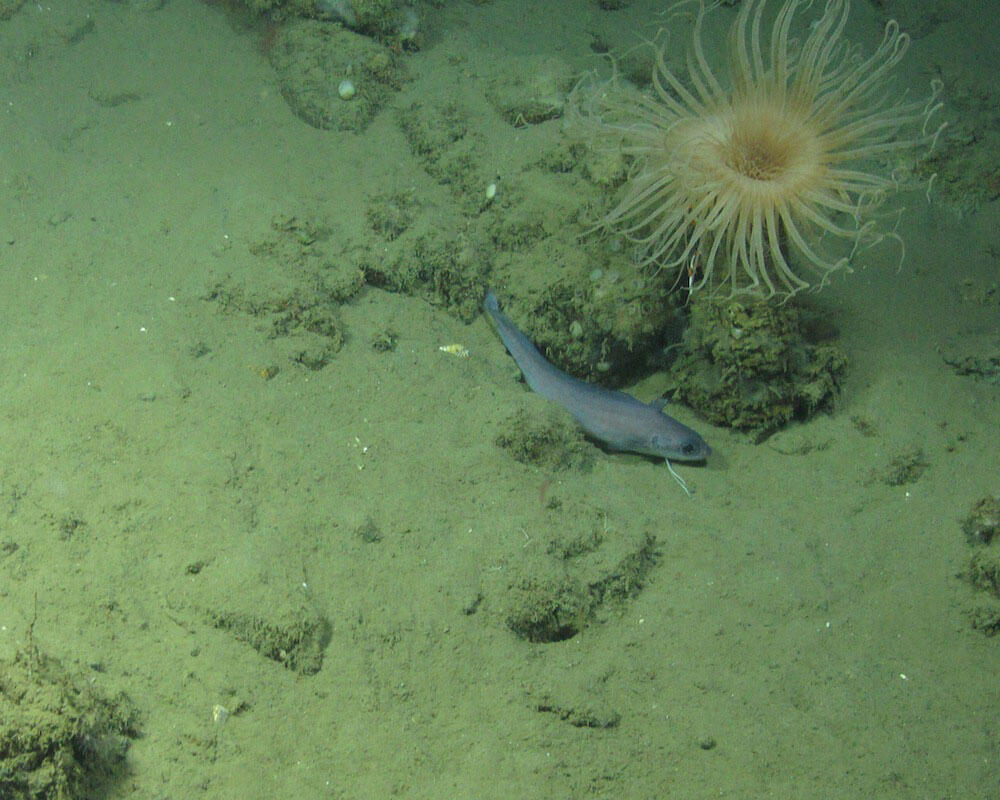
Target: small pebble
{"points": [[346, 89]]}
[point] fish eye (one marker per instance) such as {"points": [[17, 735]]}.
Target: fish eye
{"points": [[687, 449]]}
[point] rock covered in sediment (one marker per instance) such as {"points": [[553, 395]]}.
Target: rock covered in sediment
{"points": [[314, 59], [396, 20]]}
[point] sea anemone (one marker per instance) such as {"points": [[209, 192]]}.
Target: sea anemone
{"points": [[794, 152]]}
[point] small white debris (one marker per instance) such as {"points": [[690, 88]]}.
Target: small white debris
{"points": [[346, 89], [459, 350]]}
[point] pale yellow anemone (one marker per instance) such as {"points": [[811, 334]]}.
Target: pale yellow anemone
{"points": [[793, 151]]}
